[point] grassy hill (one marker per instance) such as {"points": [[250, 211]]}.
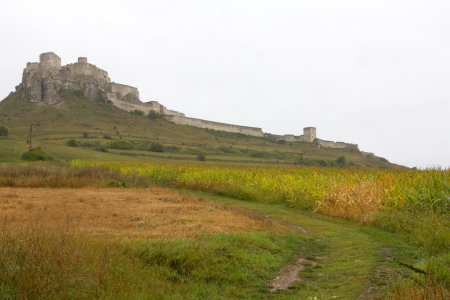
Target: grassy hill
{"points": [[98, 130]]}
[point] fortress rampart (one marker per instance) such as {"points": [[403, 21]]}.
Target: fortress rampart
{"points": [[44, 82], [336, 145], [181, 120]]}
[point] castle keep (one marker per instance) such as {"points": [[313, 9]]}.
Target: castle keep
{"points": [[45, 82]]}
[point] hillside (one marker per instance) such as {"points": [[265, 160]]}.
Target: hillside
{"points": [[103, 131]]}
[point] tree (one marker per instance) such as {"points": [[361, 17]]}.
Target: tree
{"points": [[4, 131]]}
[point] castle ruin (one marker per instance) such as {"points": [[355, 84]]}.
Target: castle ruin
{"points": [[45, 82]]}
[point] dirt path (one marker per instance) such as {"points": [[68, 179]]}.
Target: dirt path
{"points": [[290, 274], [339, 259]]}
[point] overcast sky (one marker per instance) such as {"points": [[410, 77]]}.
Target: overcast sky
{"points": [[375, 73]]}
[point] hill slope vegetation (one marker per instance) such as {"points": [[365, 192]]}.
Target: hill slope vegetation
{"points": [[82, 128]]}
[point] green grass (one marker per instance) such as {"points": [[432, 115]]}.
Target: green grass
{"points": [[351, 252], [56, 265]]}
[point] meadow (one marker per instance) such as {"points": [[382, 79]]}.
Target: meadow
{"points": [[413, 202], [99, 229]]}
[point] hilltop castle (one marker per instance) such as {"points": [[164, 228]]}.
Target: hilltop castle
{"points": [[45, 81]]}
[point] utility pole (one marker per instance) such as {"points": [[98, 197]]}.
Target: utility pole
{"points": [[31, 129]]}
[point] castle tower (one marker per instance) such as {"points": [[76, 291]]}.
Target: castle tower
{"points": [[82, 60], [50, 62], [309, 133]]}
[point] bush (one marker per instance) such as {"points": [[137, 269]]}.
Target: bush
{"points": [[120, 145], [341, 160], [153, 115], [36, 154], [72, 143], [101, 149], [201, 157], [155, 147], [137, 112], [107, 137], [4, 131]]}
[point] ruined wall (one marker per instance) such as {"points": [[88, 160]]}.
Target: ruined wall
{"points": [[336, 145], [292, 138], [130, 106], [253, 131], [125, 93], [144, 107], [50, 62]]}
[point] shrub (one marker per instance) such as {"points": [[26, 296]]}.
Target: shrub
{"points": [[4, 131], [36, 154], [153, 115], [101, 149], [137, 112], [341, 160], [156, 147], [72, 143], [121, 145], [201, 157], [107, 137]]}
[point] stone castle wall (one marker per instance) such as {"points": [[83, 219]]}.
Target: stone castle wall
{"points": [[50, 61], [336, 145], [125, 92], [253, 131]]}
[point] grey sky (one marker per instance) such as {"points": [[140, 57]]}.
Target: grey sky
{"points": [[376, 73]]}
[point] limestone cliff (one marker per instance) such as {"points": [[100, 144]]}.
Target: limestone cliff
{"points": [[45, 81]]}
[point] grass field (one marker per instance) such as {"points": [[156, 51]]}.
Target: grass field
{"points": [[118, 235]]}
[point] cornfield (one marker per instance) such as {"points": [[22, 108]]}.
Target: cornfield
{"points": [[354, 194]]}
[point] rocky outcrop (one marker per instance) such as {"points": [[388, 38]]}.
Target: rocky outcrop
{"points": [[45, 81]]}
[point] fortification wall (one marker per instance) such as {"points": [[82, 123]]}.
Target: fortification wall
{"points": [[169, 112], [253, 131], [309, 134], [50, 62], [336, 145], [131, 106], [123, 91], [76, 71]]}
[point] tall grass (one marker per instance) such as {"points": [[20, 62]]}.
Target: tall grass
{"points": [[56, 263], [39, 261], [416, 202], [59, 177]]}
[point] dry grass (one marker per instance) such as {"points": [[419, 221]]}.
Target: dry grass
{"points": [[351, 201], [123, 213], [413, 291], [59, 177]]}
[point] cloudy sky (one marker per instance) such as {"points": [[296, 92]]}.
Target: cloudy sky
{"points": [[375, 73]]}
